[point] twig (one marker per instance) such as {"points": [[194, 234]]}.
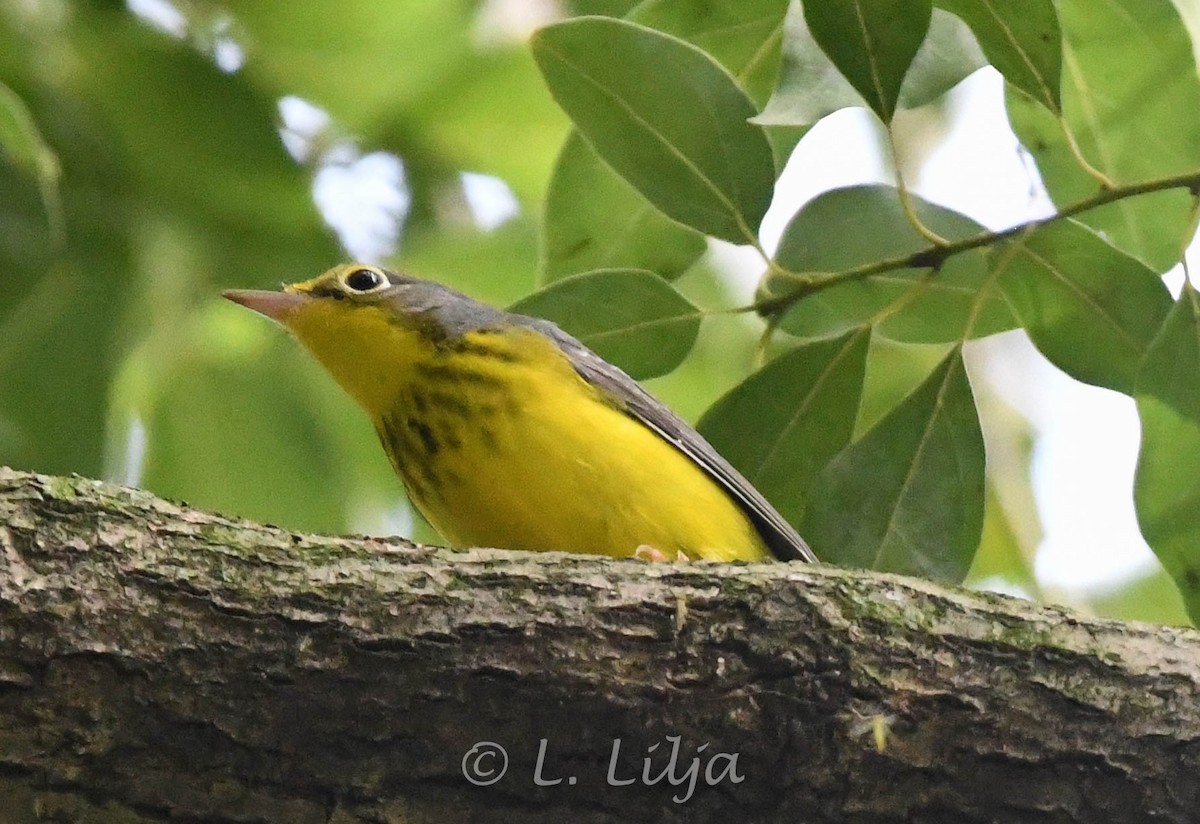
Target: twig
{"points": [[934, 256]]}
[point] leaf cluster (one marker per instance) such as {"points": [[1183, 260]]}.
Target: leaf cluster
{"points": [[675, 139]]}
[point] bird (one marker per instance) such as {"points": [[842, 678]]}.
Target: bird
{"points": [[507, 432]]}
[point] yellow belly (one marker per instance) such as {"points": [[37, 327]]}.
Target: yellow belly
{"points": [[501, 443], [557, 468]]}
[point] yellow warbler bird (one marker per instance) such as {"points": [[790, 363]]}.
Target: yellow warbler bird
{"points": [[507, 432]]}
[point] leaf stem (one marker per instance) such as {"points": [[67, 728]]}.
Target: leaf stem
{"points": [[934, 256], [985, 292], [906, 201], [1100, 177]]}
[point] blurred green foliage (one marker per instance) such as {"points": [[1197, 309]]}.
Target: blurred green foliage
{"points": [[118, 358], [154, 153]]}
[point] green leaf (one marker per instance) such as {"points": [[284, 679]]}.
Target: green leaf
{"points": [[1152, 597], [846, 228], [744, 37], [631, 318], [1131, 98], [1002, 558], [20, 141], [496, 267], [1090, 308], [56, 363], [782, 424], [784, 140], [948, 55], [1167, 485], [894, 371], [682, 140], [1012, 520], [474, 122], [23, 145], [238, 419], [908, 497], [1190, 12], [810, 86], [335, 53], [441, 83], [872, 42], [1022, 40], [146, 188], [134, 91], [595, 220], [608, 8], [718, 361]]}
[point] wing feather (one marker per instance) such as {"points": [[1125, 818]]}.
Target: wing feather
{"points": [[780, 537]]}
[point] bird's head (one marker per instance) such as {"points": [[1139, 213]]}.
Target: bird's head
{"points": [[368, 325]]}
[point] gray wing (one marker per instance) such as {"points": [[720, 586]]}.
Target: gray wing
{"points": [[780, 537]]}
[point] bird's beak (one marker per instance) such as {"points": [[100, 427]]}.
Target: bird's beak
{"points": [[275, 305]]}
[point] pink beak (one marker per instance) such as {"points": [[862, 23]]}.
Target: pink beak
{"points": [[275, 305]]}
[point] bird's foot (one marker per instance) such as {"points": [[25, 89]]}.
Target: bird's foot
{"points": [[654, 555]]}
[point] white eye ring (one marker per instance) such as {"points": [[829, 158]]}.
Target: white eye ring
{"points": [[364, 280]]}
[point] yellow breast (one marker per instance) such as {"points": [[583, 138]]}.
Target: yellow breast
{"points": [[501, 443]]}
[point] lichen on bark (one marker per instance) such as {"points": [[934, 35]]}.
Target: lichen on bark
{"points": [[167, 663]]}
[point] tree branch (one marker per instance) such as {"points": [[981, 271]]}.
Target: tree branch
{"points": [[935, 255], [159, 663]]}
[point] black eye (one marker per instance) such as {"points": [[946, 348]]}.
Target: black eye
{"points": [[364, 280]]}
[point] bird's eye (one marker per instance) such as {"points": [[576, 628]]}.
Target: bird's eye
{"points": [[364, 280]]}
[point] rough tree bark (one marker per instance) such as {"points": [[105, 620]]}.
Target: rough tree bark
{"points": [[159, 663]]}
